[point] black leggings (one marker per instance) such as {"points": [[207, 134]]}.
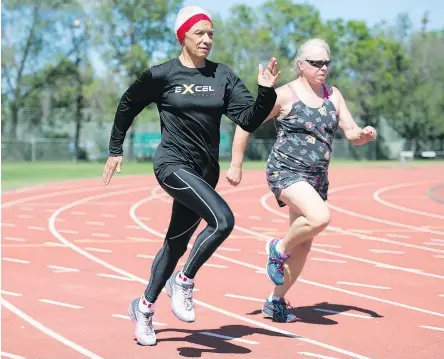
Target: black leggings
{"points": [[194, 198]]}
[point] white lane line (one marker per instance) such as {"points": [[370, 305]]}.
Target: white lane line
{"points": [[104, 235], [94, 223], [322, 245], [229, 249], [226, 337], [434, 244], [132, 226], [394, 235], [108, 215], [48, 331], [263, 201], [265, 229], [52, 194], [328, 260], [36, 228], [25, 216], [143, 281], [15, 260], [128, 318], [376, 197], [380, 220], [149, 256], [246, 298], [221, 266], [54, 244], [436, 240], [375, 263], [313, 355], [363, 285], [58, 269], [262, 271], [78, 213], [342, 313], [11, 356], [61, 304], [26, 208], [92, 249], [385, 251], [438, 256], [113, 276], [68, 231], [257, 218], [277, 220], [13, 294], [432, 328], [8, 225], [14, 239]]}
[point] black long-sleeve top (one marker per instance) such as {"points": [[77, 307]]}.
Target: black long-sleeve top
{"points": [[191, 102]]}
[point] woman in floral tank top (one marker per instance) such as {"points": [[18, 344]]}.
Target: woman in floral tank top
{"points": [[307, 114]]}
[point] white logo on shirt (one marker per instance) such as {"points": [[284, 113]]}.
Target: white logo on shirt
{"points": [[189, 89]]}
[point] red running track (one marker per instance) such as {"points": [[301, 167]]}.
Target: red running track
{"points": [[75, 254]]}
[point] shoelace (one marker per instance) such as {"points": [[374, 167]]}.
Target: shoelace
{"points": [[282, 308], [187, 292], [280, 264], [148, 321]]}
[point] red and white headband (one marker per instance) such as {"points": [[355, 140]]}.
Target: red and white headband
{"points": [[187, 18]]}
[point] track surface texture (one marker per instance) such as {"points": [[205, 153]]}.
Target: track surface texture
{"points": [[74, 254]]}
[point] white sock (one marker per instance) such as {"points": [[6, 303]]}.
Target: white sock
{"points": [[271, 297], [182, 279], [145, 306]]}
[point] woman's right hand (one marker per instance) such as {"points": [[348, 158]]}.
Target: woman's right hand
{"points": [[113, 163]]}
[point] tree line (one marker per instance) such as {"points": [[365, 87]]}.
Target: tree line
{"points": [[392, 72]]}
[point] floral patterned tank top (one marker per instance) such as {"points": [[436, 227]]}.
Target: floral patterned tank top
{"points": [[305, 136]]}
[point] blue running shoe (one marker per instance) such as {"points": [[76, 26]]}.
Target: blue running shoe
{"points": [[275, 264], [277, 309]]}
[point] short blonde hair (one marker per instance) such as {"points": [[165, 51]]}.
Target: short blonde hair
{"points": [[302, 51]]}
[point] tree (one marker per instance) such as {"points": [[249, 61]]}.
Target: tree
{"points": [[42, 26], [139, 32]]}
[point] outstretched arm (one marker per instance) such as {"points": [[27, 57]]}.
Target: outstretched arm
{"points": [[352, 132], [241, 106]]}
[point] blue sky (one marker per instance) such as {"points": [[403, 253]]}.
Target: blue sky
{"points": [[372, 11]]}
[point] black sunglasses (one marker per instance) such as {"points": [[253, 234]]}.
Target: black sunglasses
{"points": [[319, 63]]}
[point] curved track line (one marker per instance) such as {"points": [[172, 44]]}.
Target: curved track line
{"points": [[375, 219], [53, 194], [433, 196], [140, 280], [377, 198], [259, 324], [358, 235], [249, 265], [48, 331]]}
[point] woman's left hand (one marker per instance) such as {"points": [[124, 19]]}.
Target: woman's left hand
{"points": [[369, 133], [270, 75]]}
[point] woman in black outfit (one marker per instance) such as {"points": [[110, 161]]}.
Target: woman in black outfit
{"points": [[191, 94]]}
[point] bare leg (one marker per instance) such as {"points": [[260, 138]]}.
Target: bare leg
{"points": [[314, 217], [294, 265]]}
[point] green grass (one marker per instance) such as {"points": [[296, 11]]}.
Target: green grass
{"points": [[21, 174]]}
